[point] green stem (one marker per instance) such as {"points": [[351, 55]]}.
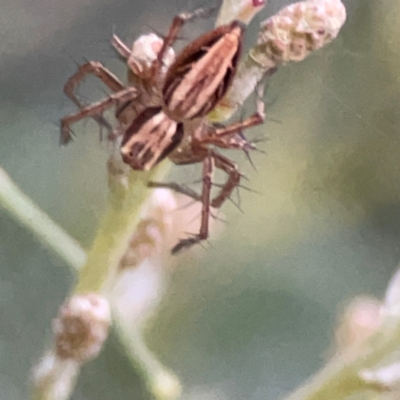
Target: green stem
{"points": [[162, 383], [28, 214], [124, 210], [340, 378]]}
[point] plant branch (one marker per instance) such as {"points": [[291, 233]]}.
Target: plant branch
{"points": [[341, 376], [124, 210], [28, 214]]}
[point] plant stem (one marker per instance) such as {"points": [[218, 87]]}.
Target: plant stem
{"points": [[161, 382], [340, 377], [28, 214], [124, 210]]}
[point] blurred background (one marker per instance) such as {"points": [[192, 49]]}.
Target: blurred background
{"points": [[253, 315]]}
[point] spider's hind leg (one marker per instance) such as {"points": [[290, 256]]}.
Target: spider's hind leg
{"points": [[208, 168]]}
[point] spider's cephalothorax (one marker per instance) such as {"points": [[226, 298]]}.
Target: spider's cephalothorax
{"points": [[163, 115]]}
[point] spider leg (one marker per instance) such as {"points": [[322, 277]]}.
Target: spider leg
{"points": [[231, 137], [91, 68], [172, 35], [225, 164], [256, 119], [94, 110], [122, 49], [212, 160], [208, 167], [97, 69]]}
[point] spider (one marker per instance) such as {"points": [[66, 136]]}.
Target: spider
{"points": [[163, 113]]}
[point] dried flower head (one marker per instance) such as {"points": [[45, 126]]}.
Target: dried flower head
{"points": [[290, 35], [81, 327], [144, 52], [297, 30]]}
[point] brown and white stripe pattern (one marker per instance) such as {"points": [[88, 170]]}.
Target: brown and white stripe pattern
{"points": [[203, 72], [150, 138]]}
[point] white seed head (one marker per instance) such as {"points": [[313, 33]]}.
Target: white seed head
{"points": [[144, 51], [81, 327], [297, 30]]}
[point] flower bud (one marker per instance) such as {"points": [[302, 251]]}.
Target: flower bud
{"points": [[297, 30], [81, 327], [144, 52]]}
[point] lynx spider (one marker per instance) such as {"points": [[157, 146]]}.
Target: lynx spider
{"points": [[199, 134]]}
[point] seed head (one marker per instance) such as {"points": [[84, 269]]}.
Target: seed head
{"points": [[81, 327], [144, 51], [297, 30]]}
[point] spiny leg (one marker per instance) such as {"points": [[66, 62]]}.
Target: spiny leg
{"points": [[94, 110], [176, 26], [122, 49], [231, 137], [235, 140], [220, 136], [91, 68], [208, 166], [226, 189], [256, 119], [233, 181], [97, 69]]}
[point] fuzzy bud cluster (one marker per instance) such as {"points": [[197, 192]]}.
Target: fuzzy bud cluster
{"points": [[81, 327], [144, 52], [297, 30], [290, 35], [80, 330]]}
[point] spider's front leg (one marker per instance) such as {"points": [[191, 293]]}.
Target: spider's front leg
{"points": [[94, 110], [91, 68], [172, 35], [122, 49], [218, 134], [70, 89]]}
